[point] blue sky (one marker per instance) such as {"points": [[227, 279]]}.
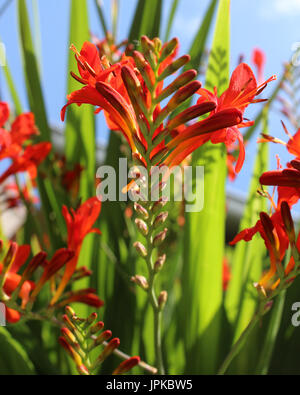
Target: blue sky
{"points": [[272, 25]]}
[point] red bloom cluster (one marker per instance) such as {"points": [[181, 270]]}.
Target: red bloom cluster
{"points": [[277, 229], [79, 224], [12, 144], [14, 286], [123, 90]]}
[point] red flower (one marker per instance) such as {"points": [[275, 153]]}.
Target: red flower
{"points": [[21, 130], [4, 113], [241, 92], [13, 198], [15, 259], [259, 60], [87, 296], [79, 225], [28, 161], [226, 274]]}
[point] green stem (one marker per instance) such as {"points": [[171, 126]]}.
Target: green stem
{"points": [[239, 344], [157, 311]]}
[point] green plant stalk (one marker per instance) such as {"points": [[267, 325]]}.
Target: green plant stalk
{"points": [[157, 310], [28, 205], [152, 296], [285, 283], [241, 341], [28, 315]]}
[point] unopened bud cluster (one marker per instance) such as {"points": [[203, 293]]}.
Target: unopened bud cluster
{"points": [[81, 336]]}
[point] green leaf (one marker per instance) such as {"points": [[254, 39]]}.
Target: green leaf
{"points": [[198, 46], [248, 256], [202, 268], [13, 358], [146, 20], [171, 19], [247, 264], [12, 89], [80, 143], [32, 77], [101, 16], [271, 335]]}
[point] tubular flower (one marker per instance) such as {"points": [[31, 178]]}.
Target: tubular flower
{"points": [[272, 231], [13, 261], [93, 73], [12, 197], [241, 92], [108, 48], [124, 92], [4, 113], [79, 225], [81, 348], [287, 181], [87, 296], [259, 60], [22, 129], [293, 144], [28, 161], [277, 231]]}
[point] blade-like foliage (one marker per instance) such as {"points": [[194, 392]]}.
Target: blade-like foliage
{"points": [[13, 358], [247, 265], [31, 71], [202, 268], [80, 139], [146, 20]]}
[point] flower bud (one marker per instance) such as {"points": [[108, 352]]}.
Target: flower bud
{"points": [[68, 335], [83, 370], [157, 44], [191, 113], [147, 44], [141, 249], [173, 67], [141, 210], [158, 157], [8, 260], [68, 322], [162, 299], [139, 145], [127, 365], [288, 221], [268, 307], [180, 82], [159, 263], [261, 290], [168, 49], [102, 338], [137, 159], [141, 281], [108, 350], [160, 219], [89, 321], [157, 206], [96, 328], [142, 226], [70, 350], [70, 312], [158, 239], [184, 93]]}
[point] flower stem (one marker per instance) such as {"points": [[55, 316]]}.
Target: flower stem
{"points": [[241, 340]]}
